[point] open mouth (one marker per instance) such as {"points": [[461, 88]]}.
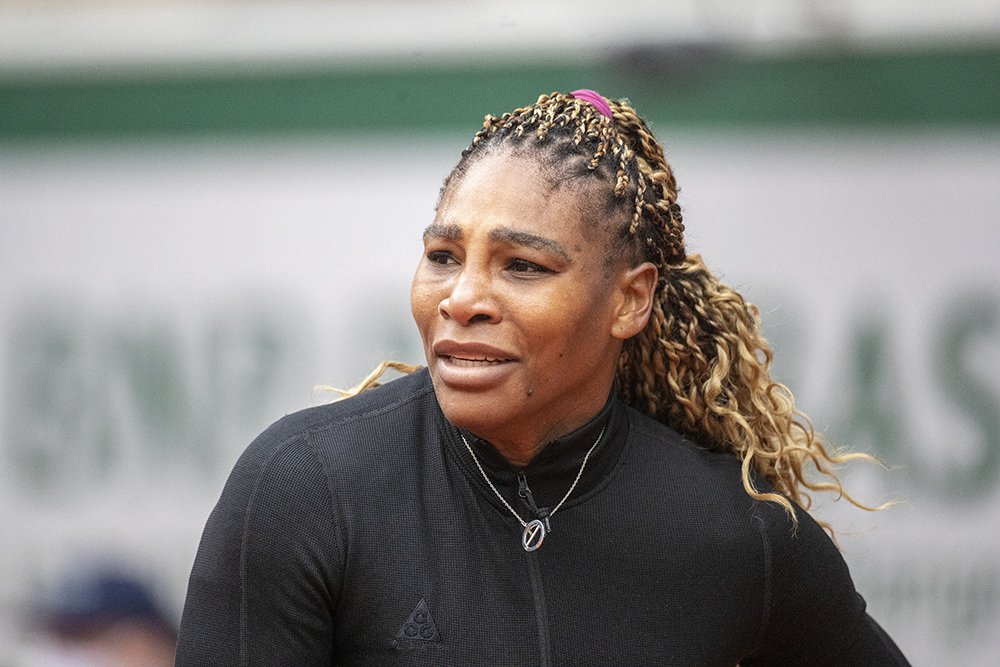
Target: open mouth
{"points": [[472, 366], [475, 362]]}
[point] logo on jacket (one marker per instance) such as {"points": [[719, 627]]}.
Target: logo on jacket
{"points": [[420, 625]]}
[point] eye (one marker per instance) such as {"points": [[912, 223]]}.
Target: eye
{"points": [[440, 257], [525, 267]]}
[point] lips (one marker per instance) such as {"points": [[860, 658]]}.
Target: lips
{"points": [[471, 353], [471, 365]]}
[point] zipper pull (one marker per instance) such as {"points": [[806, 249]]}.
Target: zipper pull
{"points": [[525, 492], [529, 500], [543, 514]]}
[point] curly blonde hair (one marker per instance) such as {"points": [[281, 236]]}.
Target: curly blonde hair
{"points": [[701, 365]]}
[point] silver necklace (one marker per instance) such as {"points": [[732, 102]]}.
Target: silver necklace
{"points": [[534, 531]]}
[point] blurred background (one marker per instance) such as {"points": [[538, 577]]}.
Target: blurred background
{"points": [[209, 208]]}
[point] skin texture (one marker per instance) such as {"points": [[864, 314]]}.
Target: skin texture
{"points": [[521, 320]]}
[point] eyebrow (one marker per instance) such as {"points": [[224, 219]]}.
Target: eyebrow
{"points": [[502, 234], [514, 237], [447, 232]]}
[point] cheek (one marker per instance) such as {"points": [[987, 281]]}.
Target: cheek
{"points": [[580, 330], [427, 291], [559, 332], [423, 306]]}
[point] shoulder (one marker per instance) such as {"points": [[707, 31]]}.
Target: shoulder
{"points": [[715, 477], [406, 394], [708, 485], [811, 611], [301, 448], [361, 420], [288, 475], [804, 558], [695, 472]]}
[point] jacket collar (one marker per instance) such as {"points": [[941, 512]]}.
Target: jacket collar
{"points": [[551, 473]]}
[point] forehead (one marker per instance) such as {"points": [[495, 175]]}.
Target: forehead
{"points": [[513, 191]]}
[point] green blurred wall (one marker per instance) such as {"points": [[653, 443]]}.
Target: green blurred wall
{"points": [[693, 86]]}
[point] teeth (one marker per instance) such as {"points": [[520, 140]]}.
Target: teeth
{"points": [[471, 363]]}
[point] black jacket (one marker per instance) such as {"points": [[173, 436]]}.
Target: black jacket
{"points": [[361, 533]]}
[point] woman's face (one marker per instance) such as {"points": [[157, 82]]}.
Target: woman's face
{"points": [[515, 307]]}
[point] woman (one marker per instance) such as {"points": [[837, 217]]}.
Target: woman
{"points": [[595, 467]]}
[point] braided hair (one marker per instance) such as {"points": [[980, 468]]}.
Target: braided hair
{"points": [[701, 365]]}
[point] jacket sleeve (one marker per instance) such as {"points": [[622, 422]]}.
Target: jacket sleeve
{"points": [[266, 577], [814, 614]]}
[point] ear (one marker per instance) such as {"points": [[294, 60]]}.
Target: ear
{"points": [[635, 291]]}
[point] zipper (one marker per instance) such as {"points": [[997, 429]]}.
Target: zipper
{"points": [[535, 575], [541, 611]]}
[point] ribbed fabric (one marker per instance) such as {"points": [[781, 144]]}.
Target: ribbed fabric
{"points": [[344, 523]]}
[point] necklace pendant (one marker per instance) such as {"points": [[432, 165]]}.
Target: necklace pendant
{"points": [[533, 535]]}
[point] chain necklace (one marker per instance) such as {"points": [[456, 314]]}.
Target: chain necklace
{"points": [[534, 531]]}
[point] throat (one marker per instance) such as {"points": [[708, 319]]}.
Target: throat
{"points": [[518, 456]]}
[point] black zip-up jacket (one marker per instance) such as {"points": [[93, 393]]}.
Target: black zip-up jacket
{"points": [[362, 533]]}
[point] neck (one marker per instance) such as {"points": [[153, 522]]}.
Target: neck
{"points": [[518, 454], [520, 449]]}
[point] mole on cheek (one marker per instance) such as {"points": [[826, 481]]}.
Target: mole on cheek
{"points": [[530, 391]]}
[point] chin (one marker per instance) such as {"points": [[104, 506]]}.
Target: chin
{"points": [[477, 412]]}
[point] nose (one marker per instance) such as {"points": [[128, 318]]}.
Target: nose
{"points": [[471, 298]]}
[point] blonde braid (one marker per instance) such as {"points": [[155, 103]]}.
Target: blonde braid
{"points": [[701, 365], [371, 380], [660, 211]]}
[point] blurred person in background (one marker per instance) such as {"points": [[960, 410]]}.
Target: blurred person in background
{"points": [[595, 467], [103, 618]]}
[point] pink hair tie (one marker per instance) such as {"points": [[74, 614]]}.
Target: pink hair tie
{"points": [[594, 98]]}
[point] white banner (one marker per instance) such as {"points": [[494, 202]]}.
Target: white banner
{"points": [[163, 302]]}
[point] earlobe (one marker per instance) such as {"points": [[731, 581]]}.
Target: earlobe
{"points": [[638, 287]]}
